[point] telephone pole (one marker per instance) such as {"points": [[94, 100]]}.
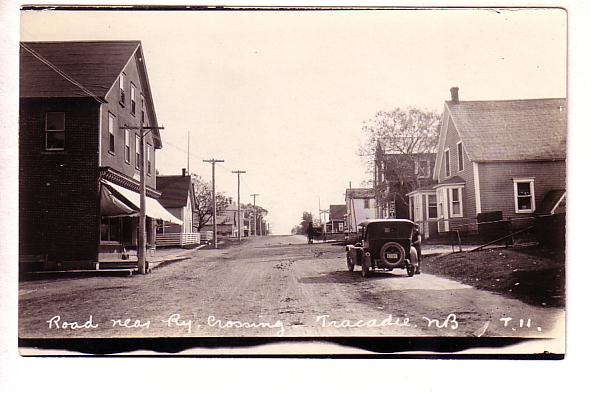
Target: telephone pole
{"points": [[238, 172], [212, 162], [142, 265], [255, 213]]}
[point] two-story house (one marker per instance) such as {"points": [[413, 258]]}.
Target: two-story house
{"points": [[79, 150], [396, 175], [360, 206], [498, 156]]}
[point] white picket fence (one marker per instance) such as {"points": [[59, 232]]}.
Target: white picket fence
{"points": [[177, 239]]}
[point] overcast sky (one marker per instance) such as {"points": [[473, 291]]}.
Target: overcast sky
{"points": [[282, 95]]}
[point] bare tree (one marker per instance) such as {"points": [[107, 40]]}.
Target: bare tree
{"points": [[203, 203]]}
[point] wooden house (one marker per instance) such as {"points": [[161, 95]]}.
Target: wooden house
{"points": [[500, 157]]}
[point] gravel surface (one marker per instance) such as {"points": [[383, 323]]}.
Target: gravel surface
{"points": [[273, 287]]}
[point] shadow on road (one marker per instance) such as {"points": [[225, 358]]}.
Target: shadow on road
{"points": [[343, 276]]}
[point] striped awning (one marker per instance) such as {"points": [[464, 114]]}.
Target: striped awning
{"points": [[130, 199]]}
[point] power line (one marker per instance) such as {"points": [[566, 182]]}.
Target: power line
{"points": [[61, 72]]}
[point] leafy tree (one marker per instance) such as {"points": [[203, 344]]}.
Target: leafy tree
{"points": [[203, 203], [403, 135], [402, 132], [306, 218]]}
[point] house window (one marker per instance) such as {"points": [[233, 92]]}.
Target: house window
{"points": [[431, 202], [447, 163], [423, 169], [340, 227], [149, 159], [142, 109], [137, 151], [111, 133], [122, 89], [456, 202], [367, 203], [55, 131], [110, 229], [132, 99], [524, 195], [127, 147], [460, 156]]}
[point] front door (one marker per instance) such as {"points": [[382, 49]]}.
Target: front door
{"points": [[442, 209]]}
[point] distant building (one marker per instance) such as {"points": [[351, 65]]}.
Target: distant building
{"points": [[177, 196], [337, 219], [360, 206]]}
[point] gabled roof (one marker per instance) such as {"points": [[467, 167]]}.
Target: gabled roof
{"points": [[72, 68], [174, 189], [360, 193], [511, 130], [337, 212]]}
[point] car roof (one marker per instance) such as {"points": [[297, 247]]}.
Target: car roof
{"points": [[385, 220]]}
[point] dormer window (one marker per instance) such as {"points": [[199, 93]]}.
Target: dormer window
{"points": [[132, 99], [122, 89]]}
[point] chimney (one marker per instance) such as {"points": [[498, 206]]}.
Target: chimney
{"points": [[454, 94], [183, 172]]}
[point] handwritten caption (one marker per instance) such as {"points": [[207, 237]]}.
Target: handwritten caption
{"points": [[176, 321], [449, 322]]}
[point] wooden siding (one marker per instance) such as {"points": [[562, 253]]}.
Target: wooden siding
{"points": [[497, 187], [123, 116], [452, 137]]}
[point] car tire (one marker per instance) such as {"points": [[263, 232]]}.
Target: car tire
{"points": [[410, 269], [414, 260], [349, 263], [387, 246], [365, 270]]}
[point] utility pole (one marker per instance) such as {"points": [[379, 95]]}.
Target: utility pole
{"points": [[142, 265], [212, 162], [188, 154], [238, 172], [255, 213]]}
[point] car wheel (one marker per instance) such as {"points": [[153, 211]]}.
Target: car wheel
{"points": [[349, 263], [410, 269], [414, 260], [365, 270]]}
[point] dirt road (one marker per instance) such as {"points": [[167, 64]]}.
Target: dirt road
{"points": [[276, 286]]}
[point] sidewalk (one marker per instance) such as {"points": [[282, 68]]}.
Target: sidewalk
{"points": [[171, 254]]}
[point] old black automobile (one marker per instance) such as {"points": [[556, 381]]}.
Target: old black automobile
{"points": [[386, 244]]}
